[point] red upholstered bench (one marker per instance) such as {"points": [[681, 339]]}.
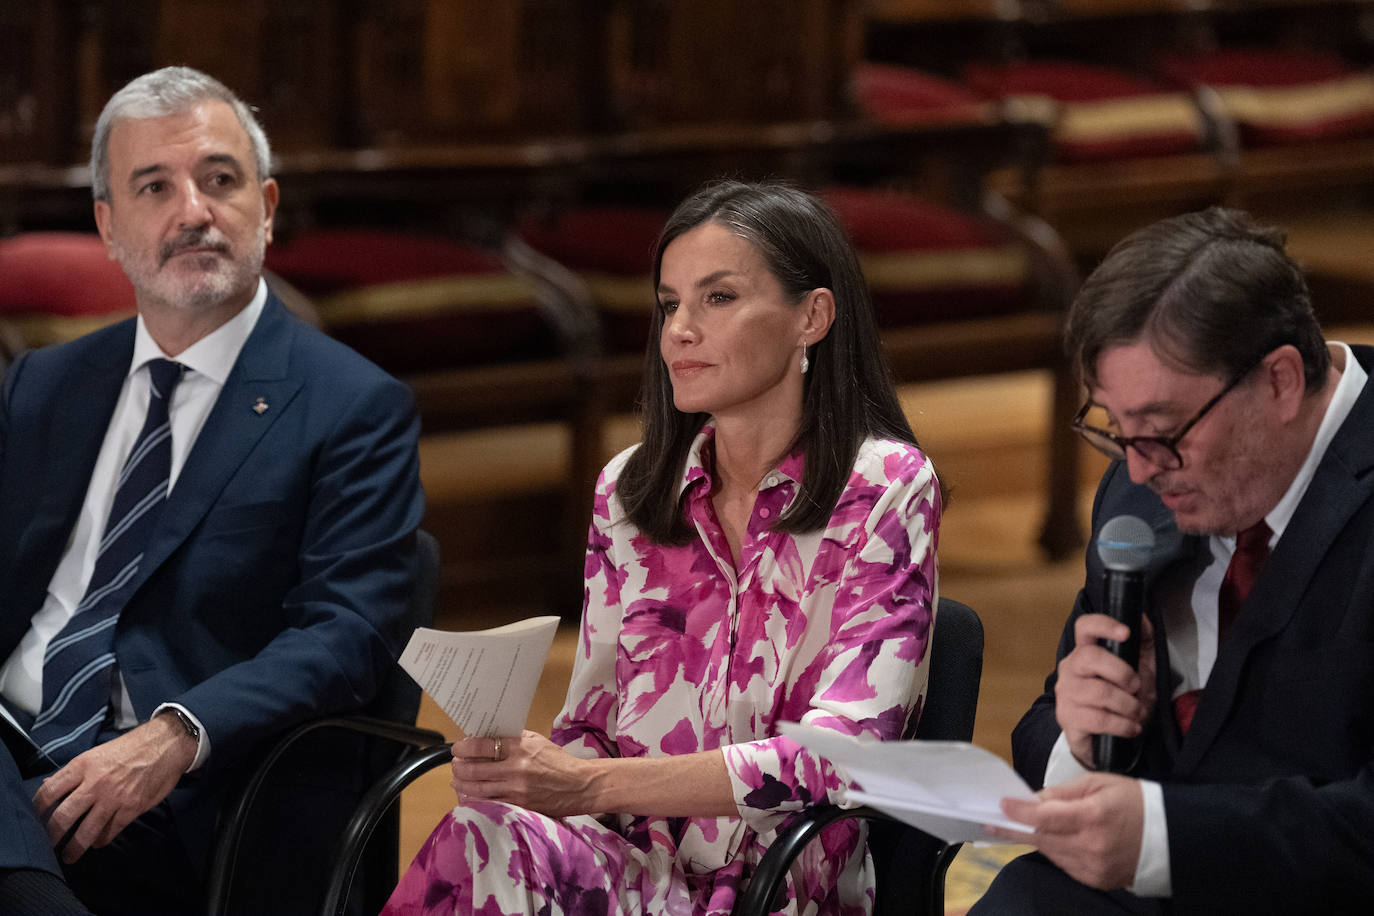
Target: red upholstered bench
{"points": [[493, 345], [414, 303], [1123, 147], [926, 263], [1278, 97], [902, 95], [610, 248], [1096, 113], [56, 286]]}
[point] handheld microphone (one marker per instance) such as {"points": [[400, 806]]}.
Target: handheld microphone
{"points": [[1124, 545]]}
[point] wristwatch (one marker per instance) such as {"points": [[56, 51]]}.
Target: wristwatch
{"points": [[186, 722]]}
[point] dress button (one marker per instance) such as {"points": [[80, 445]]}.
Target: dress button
{"points": [[771, 481], [765, 512]]}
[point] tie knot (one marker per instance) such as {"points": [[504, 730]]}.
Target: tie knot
{"points": [[164, 375], [1254, 540]]}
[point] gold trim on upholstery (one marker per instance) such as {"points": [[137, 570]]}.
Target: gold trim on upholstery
{"points": [[412, 298], [39, 330], [1004, 265], [1324, 101], [1129, 117]]}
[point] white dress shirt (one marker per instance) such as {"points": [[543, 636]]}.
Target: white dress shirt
{"points": [[208, 362], [1192, 629]]}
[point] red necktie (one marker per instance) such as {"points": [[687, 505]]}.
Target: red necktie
{"points": [[1252, 552]]}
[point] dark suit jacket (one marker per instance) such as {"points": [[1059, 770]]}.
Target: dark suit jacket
{"points": [[276, 584], [1270, 798]]}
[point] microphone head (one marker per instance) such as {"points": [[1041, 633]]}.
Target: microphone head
{"points": [[1125, 543]]}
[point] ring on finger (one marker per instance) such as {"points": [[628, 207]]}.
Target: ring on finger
{"points": [[496, 749]]}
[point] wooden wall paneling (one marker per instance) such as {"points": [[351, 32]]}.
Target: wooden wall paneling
{"points": [[445, 71], [300, 82], [224, 40], [470, 53], [558, 56], [35, 97], [942, 10], [674, 62], [386, 78]]}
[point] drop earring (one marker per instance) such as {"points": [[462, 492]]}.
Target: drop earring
{"points": [[805, 363]]}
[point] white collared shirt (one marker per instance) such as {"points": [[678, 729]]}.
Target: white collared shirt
{"points": [[208, 362], [1193, 637]]}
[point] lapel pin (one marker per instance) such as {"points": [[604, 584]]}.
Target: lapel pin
{"points": [[260, 407]]}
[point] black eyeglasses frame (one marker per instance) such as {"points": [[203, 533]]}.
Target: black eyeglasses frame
{"points": [[1114, 446]]}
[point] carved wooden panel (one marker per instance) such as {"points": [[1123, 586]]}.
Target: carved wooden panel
{"points": [[719, 61], [453, 70], [35, 93]]}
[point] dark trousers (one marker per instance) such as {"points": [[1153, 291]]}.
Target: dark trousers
{"points": [[1032, 885], [145, 870]]}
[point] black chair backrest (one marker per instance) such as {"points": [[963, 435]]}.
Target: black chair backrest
{"points": [[398, 700], [908, 864], [956, 670], [286, 858]]}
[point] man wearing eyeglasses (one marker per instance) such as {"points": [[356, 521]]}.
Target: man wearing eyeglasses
{"points": [[1246, 442]]}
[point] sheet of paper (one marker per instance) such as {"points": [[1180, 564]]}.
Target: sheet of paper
{"points": [[951, 789], [484, 679]]}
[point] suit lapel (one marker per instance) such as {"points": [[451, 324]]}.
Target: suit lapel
{"points": [[231, 431], [1340, 486], [80, 416]]}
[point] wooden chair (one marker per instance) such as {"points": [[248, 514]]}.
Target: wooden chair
{"points": [[500, 350]]}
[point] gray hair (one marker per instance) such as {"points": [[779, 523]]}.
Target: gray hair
{"points": [[169, 91]]}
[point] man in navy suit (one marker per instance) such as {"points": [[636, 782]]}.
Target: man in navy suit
{"points": [[272, 586], [1245, 441]]}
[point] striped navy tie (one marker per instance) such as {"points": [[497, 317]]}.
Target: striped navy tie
{"points": [[78, 666]]}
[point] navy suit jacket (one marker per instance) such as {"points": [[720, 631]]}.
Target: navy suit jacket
{"points": [[1269, 799], [275, 587]]}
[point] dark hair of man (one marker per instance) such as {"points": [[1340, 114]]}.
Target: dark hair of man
{"points": [[846, 396], [1211, 291]]}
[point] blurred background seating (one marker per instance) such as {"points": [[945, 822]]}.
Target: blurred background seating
{"points": [[472, 191]]}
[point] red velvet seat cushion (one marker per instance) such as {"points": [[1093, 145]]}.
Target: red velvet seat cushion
{"points": [[1062, 80], [57, 286], [1278, 97], [601, 239], [1260, 67], [926, 263], [329, 260], [901, 95], [612, 249], [1097, 113], [412, 302], [61, 273]]}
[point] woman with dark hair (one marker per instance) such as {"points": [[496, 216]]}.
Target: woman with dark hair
{"points": [[765, 555]]}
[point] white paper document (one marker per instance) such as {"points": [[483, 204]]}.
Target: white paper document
{"points": [[484, 679], [950, 789]]}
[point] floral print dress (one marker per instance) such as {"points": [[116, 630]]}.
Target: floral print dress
{"points": [[682, 652]]}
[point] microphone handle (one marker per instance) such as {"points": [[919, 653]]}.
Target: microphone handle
{"points": [[1125, 597]]}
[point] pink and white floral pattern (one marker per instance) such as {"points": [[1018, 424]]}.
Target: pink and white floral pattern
{"points": [[680, 652]]}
